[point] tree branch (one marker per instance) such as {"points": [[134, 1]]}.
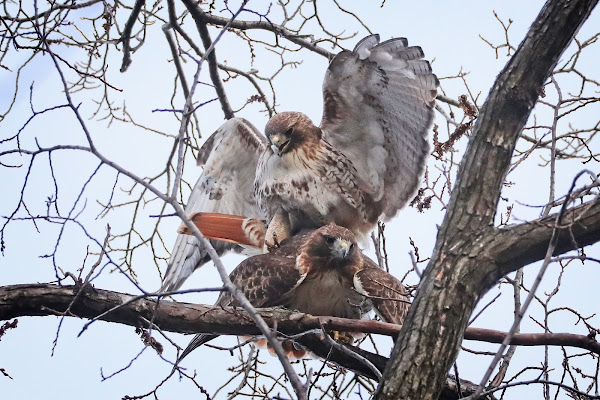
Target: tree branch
{"points": [[210, 54], [67, 6], [49, 299], [534, 339], [91, 303], [523, 244], [126, 37], [200, 15]]}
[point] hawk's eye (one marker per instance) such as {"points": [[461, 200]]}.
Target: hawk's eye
{"points": [[329, 239], [289, 132]]}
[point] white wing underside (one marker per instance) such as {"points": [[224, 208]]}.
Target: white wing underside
{"points": [[226, 186]]}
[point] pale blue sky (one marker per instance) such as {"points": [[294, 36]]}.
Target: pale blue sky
{"points": [[448, 32]]}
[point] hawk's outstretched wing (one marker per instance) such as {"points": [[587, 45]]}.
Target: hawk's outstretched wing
{"points": [[378, 109], [229, 157], [362, 164]]}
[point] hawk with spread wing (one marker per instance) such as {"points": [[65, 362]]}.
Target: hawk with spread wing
{"points": [[319, 272], [361, 164]]}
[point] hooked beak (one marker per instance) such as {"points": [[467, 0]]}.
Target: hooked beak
{"points": [[276, 150], [277, 145], [341, 248]]}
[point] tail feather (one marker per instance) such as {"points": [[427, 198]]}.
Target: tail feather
{"points": [[196, 342], [225, 231], [228, 228], [293, 350], [188, 255]]}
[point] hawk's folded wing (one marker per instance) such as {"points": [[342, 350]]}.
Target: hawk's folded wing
{"points": [[387, 294], [263, 279]]}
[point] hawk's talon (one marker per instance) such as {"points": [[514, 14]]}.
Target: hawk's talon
{"points": [[274, 245], [275, 241]]}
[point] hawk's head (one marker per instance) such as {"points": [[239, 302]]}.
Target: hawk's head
{"points": [[330, 247], [288, 131]]}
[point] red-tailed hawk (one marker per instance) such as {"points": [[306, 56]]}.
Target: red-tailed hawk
{"points": [[319, 272], [361, 164]]}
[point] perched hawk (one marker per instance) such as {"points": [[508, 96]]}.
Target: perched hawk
{"points": [[361, 164], [319, 272]]}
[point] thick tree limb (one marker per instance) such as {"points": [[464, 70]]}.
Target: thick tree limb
{"points": [[47, 299], [526, 243], [462, 266]]}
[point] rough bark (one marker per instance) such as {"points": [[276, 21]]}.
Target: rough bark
{"points": [[525, 243], [47, 299], [91, 303], [463, 266]]}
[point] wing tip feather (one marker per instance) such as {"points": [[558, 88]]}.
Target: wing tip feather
{"points": [[367, 42]]}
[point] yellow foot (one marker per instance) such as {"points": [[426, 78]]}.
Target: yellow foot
{"points": [[344, 337]]}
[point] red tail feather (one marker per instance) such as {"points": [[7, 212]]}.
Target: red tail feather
{"points": [[228, 228]]}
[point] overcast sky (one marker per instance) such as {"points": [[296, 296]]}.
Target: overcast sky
{"points": [[449, 33]]}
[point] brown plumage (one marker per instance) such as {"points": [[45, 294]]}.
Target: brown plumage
{"points": [[319, 272], [361, 164]]}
